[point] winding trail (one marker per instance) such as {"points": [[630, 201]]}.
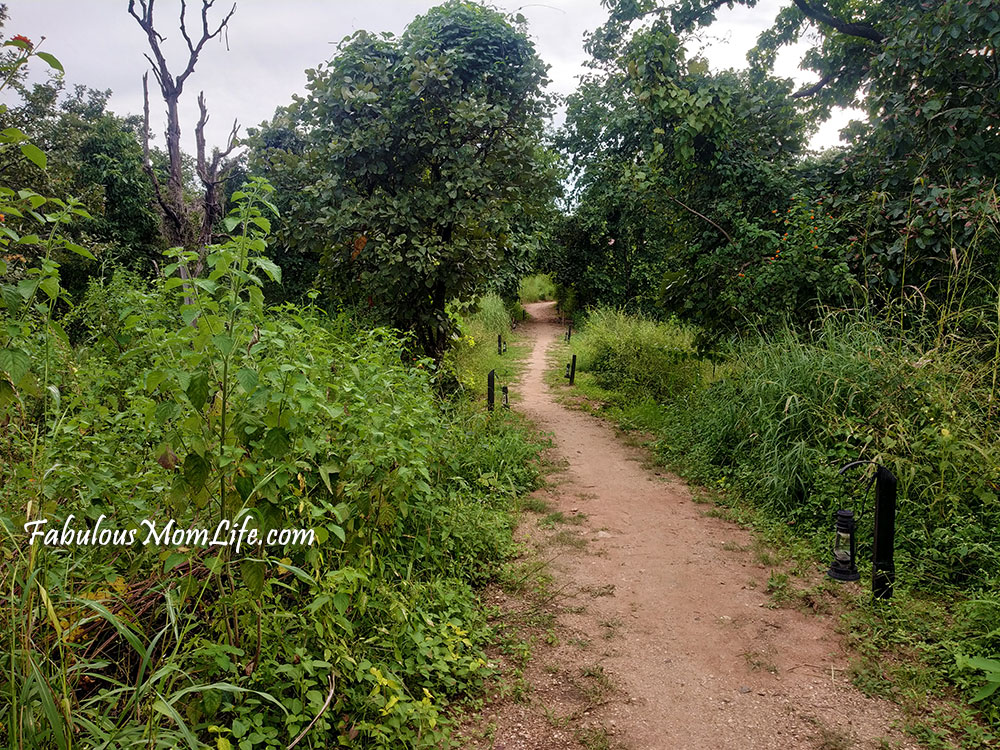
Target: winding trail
{"points": [[667, 606]]}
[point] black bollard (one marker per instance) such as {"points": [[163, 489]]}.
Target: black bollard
{"points": [[490, 383], [572, 371]]}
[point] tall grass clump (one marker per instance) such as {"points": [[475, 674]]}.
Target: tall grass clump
{"points": [[639, 356], [537, 288], [794, 408], [475, 352]]}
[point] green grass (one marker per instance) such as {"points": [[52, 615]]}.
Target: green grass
{"points": [[475, 354], [537, 288]]}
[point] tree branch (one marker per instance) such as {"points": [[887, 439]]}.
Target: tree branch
{"points": [[815, 88], [206, 35], [147, 164], [700, 215], [821, 15]]}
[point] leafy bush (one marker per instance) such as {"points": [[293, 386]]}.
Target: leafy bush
{"points": [[537, 288], [474, 353], [637, 355], [193, 401]]}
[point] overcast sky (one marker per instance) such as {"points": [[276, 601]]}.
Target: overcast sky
{"points": [[271, 43]]}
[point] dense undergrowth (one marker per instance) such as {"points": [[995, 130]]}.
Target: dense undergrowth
{"points": [[772, 420], [537, 288], [159, 401]]}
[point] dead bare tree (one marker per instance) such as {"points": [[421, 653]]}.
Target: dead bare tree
{"points": [[186, 225]]}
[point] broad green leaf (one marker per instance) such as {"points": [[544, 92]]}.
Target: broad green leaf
{"points": [[51, 60], [247, 379], [196, 470], [166, 410], [272, 269], [253, 575], [197, 389], [80, 250], [277, 442], [12, 135], [15, 363], [35, 154], [50, 285], [223, 342]]}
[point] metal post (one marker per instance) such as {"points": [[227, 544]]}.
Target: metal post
{"points": [[506, 397], [883, 566], [499, 344], [490, 382], [572, 371]]}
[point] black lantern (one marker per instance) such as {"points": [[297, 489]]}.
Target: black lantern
{"points": [[506, 397], [845, 547]]}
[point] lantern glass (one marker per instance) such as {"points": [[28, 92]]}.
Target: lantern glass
{"points": [[844, 566], [842, 547]]}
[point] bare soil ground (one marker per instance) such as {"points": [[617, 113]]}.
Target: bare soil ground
{"points": [[649, 620]]}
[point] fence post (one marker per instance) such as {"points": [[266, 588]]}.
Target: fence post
{"points": [[490, 382], [572, 371], [499, 344]]}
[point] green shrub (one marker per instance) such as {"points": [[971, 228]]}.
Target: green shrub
{"points": [[204, 406], [537, 288], [639, 356], [794, 408]]}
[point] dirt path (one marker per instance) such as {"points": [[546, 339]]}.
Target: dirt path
{"points": [[661, 634]]}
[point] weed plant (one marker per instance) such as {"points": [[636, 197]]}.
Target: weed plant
{"points": [[475, 353]]}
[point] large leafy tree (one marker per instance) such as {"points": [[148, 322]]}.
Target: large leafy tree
{"points": [[95, 156], [417, 164], [915, 189], [680, 176]]}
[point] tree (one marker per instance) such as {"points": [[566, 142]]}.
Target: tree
{"points": [[185, 225], [915, 190], [680, 174], [93, 155], [421, 165]]}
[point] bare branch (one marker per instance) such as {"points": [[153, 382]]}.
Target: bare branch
{"points": [[147, 164], [821, 15], [184, 27], [326, 705], [206, 36]]}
